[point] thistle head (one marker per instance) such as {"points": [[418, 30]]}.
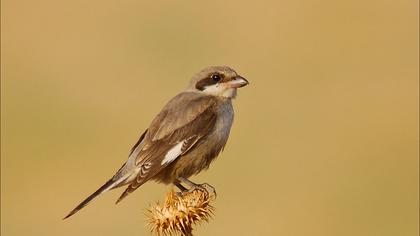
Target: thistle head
{"points": [[179, 213]]}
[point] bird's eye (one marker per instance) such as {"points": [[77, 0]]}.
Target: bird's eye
{"points": [[216, 77]]}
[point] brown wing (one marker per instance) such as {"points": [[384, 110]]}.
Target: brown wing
{"points": [[181, 110], [183, 122], [138, 142]]}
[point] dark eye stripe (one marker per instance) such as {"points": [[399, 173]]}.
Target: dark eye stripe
{"points": [[202, 84], [209, 80]]}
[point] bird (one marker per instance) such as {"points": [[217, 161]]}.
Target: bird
{"points": [[184, 138]]}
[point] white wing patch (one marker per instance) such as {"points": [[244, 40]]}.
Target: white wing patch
{"points": [[172, 154]]}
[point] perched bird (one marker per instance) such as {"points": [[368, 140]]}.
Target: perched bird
{"points": [[189, 132]]}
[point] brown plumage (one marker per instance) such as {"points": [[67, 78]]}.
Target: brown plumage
{"points": [[189, 132]]}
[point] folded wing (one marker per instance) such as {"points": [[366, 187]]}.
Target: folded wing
{"points": [[183, 122]]}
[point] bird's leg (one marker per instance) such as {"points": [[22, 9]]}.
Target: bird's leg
{"points": [[194, 186], [181, 188]]}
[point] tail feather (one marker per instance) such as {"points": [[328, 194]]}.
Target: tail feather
{"points": [[133, 186], [124, 194], [112, 183]]}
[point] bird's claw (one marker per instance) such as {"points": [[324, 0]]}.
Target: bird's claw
{"points": [[205, 187], [208, 187]]}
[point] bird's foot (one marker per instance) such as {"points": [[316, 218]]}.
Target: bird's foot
{"points": [[205, 187], [182, 189]]}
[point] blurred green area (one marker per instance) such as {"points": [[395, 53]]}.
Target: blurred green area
{"points": [[325, 141]]}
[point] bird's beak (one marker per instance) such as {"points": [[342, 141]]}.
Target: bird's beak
{"points": [[238, 82]]}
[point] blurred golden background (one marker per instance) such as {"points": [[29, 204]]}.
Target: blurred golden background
{"points": [[325, 140]]}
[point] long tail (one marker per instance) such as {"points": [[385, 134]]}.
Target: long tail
{"points": [[112, 183]]}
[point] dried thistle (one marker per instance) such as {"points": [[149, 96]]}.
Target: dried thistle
{"points": [[179, 213]]}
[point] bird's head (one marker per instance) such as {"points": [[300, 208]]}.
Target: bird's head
{"points": [[221, 81]]}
